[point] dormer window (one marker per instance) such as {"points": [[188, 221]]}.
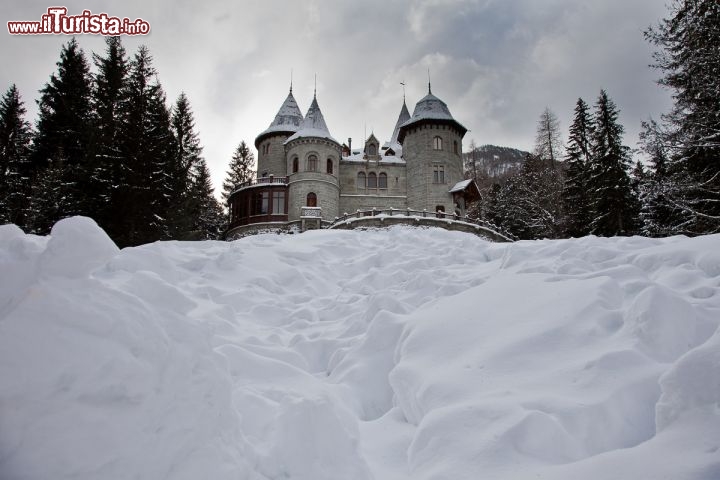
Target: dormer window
{"points": [[372, 149]]}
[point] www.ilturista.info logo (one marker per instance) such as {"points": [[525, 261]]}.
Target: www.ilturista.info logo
{"points": [[58, 22]]}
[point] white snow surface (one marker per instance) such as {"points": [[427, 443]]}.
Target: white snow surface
{"points": [[391, 354]]}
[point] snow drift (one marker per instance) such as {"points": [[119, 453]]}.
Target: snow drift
{"points": [[394, 354]]}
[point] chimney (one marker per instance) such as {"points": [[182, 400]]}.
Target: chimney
{"points": [[350, 144]]}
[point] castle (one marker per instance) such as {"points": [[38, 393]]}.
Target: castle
{"points": [[305, 174]]}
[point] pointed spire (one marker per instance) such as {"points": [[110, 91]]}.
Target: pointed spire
{"points": [[429, 87], [402, 118], [315, 91], [291, 72], [314, 124]]}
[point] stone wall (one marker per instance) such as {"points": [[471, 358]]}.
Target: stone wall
{"points": [[353, 198], [421, 159], [272, 163]]}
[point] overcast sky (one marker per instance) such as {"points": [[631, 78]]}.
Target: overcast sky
{"points": [[496, 63]]}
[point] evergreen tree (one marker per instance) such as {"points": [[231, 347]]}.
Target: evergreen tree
{"points": [[657, 214], [109, 90], [548, 146], [614, 205], [183, 168], [64, 133], [147, 148], [689, 56], [206, 211], [239, 171], [575, 199], [15, 137], [528, 205]]}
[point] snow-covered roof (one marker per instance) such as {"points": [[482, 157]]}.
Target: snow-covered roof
{"points": [[288, 119], [429, 107], [358, 157], [460, 186], [313, 125]]}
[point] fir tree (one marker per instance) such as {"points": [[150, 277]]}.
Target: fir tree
{"points": [[576, 201], [209, 218], [239, 171], [689, 56], [15, 137], [183, 168], [64, 133], [147, 148], [109, 90], [614, 205]]}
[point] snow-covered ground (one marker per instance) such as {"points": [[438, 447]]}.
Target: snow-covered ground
{"points": [[345, 355]]}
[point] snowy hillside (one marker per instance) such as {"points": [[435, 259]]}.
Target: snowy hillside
{"points": [[396, 354]]}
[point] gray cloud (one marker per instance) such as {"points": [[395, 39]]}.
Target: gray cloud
{"points": [[497, 63]]}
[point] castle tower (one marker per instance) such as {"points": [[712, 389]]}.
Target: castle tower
{"points": [[313, 164], [270, 143], [432, 148]]}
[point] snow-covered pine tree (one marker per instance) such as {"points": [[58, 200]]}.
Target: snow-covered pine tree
{"points": [[689, 56], [147, 147], [15, 137], [64, 132], [615, 208], [241, 169], [529, 205], [109, 90], [209, 219], [548, 145], [183, 169], [657, 214], [576, 201]]}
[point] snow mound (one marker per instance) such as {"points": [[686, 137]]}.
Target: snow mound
{"points": [[396, 354]]}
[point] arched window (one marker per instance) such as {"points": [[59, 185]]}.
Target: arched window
{"points": [[312, 163], [295, 166], [372, 150], [329, 166], [455, 147], [311, 200], [372, 180], [361, 180], [437, 143], [382, 180]]}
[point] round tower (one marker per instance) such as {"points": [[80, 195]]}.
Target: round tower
{"points": [[312, 163], [432, 148], [270, 144]]}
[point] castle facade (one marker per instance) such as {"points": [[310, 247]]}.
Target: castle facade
{"points": [[304, 173]]}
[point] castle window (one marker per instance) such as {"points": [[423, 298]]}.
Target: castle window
{"points": [[311, 200], [312, 163], [262, 201], [329, 166], [438, 174], [372, 149], [372, 180], [361, 180], [382, 180], [295, 166], [278, 202], [455, 147], [437, 143]]}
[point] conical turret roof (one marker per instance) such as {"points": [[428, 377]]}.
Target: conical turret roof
{"points": [[430, 109], [288, 119], [402, 118], [313, 125]]}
